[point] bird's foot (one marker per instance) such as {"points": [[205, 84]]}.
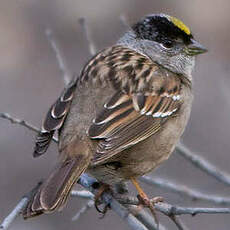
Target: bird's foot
{"points": [[145, 201], [150, 203], [97, 200]]}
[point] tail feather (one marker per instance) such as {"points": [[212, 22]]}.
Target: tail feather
{"points": [[54, 191]]}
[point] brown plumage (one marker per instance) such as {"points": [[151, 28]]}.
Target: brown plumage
{"points": [[138, 103], [118, 120]]}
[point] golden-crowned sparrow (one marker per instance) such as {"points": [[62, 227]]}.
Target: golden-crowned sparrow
{"points": [[124, 114]]}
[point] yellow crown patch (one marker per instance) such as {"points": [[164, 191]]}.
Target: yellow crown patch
{"points": [[178, 23]]}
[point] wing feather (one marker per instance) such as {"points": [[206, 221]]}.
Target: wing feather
{"points": [[132, 121], [54, 119]]}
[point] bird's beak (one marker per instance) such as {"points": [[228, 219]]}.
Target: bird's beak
{"points": [[195, 48]]}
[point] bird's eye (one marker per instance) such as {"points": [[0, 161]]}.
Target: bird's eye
{"points": [[167, 44]]}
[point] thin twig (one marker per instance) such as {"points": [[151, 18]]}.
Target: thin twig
{"points": [[18, 208], [83, 194], [24, 201], [132, 221], [178, 222], [14, 213], [17, 121], [61, 62], [203, 164], [169, 209], [90, 43], [144, 217], [185, 191], [83, 210], [132, 203]]}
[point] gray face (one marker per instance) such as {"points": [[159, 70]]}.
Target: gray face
{"points": [[176, 58]]}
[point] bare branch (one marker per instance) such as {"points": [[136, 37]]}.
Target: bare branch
{"points": [[132, 221], [15, 212], [8, 117], [87, 182], [61, 63], [178, 222], [29, 126], [173, 212], [144, 217], [83, 210], [83, 194], [132, 203], [24, 201], [169, 209], [18, 208], [184, 190], [85, 29], [203, 164]]}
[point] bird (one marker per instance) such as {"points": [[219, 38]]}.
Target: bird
{"points": [[123, 115]]}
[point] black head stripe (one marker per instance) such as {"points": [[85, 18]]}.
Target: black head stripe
{"points": [[159, 28]]}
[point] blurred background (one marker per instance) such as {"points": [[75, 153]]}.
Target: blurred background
{"points": [[30, 81]]}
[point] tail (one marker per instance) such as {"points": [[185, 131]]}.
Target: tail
{"points": [[53, 193]]}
